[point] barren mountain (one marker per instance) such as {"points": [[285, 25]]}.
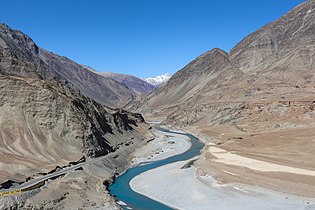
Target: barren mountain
{"points": [[20, 56], [134, 83], [276, 59], [36, 113], [256, 100], [47, 122]]}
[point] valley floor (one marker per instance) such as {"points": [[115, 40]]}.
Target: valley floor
{"points": [[280, 160], [225, 177], [187, 189], [163, 146]]}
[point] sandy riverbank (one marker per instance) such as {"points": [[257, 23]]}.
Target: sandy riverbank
{"points": [[229, 158], [163, 146], [186, 189], [278, 159]]}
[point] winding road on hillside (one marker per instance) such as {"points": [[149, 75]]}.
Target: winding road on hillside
{"points": [[34, 182]]}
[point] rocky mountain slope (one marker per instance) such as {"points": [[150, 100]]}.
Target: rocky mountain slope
{"points": [[157, 80], [256, 101], [36, 113], [44, 125], [134, 83], [274, 63], [22, 57], [47, 121]]}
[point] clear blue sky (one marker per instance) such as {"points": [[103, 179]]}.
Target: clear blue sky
{"points": [[139, 37]]}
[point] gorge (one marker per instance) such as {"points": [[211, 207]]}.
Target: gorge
{"points": [[232, 129]]}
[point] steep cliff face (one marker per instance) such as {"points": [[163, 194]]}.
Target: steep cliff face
{"points": [[20, 56]]}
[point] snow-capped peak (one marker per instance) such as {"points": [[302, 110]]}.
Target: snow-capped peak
{"points": [[157, 80]]}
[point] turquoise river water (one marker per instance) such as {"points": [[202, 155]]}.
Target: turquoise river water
{"points": [[121, 188]]}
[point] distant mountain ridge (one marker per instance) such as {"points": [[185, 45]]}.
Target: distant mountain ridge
{"points": [[157, 80], [274, 62], [22, 57], [134, 83], [46, 92], [53, 113], [257, 101]]}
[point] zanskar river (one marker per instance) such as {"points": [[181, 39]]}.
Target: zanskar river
{"points": [[167, 182], [133, 200]]}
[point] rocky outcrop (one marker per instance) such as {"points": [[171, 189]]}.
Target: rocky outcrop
{"points": [[44, 124], [19, 56]]}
